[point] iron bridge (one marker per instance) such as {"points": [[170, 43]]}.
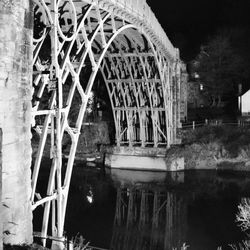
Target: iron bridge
{"points": [[74, 43]]}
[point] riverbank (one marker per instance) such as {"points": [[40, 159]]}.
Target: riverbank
{"points": [[210, 147], [215, 147]]}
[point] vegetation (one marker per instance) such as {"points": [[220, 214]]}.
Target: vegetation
{"points": [[232, 138], [243, 216], [222, 64], [183, 247], [244, 245]]}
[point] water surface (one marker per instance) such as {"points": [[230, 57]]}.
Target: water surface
{"points": [[122, 209], [142, 210]]}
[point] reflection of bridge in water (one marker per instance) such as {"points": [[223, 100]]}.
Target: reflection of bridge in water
{"points": [[148, 216]]}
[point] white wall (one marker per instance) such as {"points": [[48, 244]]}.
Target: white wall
{"points": [[246, 102]]}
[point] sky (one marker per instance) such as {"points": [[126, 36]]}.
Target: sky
{"points": [[189, 23]]}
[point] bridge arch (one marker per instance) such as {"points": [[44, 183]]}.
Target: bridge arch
{"points": [[73, 41], [136, 87]]}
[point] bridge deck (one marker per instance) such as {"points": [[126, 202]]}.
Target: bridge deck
{"points": [[140, 13]]}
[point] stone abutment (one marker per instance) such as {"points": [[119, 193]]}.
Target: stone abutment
{"points": [[15, 119]]}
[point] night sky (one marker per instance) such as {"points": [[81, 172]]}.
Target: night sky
{"points": [[188, 24]]}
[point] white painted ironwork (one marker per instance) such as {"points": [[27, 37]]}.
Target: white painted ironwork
{"points": [[73, 41]]}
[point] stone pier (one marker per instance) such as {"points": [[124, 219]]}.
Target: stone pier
{"points": [[15, 118], [138, 158], [1, 221]]}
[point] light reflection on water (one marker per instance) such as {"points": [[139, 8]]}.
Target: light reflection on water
{"points": [[136, 210]]}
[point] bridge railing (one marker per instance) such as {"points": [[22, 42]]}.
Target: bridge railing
{"points": [[197, 124], [142, 11]]}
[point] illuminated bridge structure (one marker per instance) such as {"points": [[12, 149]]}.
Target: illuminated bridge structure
{"points": [[76, 43]]}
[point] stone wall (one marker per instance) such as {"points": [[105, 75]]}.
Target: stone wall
{"points": [[15, 119], [1, 221]]}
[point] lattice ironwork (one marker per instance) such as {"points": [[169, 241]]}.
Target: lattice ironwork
{"points": [[73, 41]]}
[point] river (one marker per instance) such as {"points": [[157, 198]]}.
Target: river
{"points": [[136, 210]]}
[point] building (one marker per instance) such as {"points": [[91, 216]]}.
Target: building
{"points": [[244, 104], [196, 98]]}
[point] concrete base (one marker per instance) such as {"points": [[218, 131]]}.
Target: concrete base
{"points": [[137, 158]]}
